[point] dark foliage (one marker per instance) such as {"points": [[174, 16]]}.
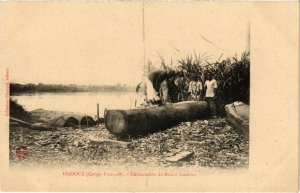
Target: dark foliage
{"points": [[18, 111], [233, 77]]}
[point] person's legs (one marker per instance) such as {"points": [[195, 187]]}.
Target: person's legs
{"points": [[213, 108], [179, 97], [164, 92], [199, 98], [212, 105]]}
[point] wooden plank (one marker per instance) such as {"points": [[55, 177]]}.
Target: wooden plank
{"points": [[35, 126], [23, 123], [98, 118], [102, 141], [182, 156]]}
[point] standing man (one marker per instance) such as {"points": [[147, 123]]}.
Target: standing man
{"points": [[211, 86], [141, 96], [178, 82], [199, 88], [193, 90]]}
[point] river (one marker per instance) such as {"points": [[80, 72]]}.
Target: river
{"points": [[81, 102]]}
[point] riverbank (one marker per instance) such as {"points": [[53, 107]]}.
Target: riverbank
{"points": [[209, 143]]}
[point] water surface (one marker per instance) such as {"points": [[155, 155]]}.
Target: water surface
{"points": [[83, 102]]}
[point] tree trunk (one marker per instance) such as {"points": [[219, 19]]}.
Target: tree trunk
{"points": [[147, 120]]}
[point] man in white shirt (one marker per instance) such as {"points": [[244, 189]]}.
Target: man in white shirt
{"points": [[141, 96], [211, 86], [192, 90]]}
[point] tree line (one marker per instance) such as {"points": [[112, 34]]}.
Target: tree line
{"points": [[33, 88]]}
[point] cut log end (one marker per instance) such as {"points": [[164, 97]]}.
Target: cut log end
{"points": [[87, 121], [71, 122], [115, 121]]}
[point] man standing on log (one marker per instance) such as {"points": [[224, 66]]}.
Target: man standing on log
{"points": [[211, 86]]}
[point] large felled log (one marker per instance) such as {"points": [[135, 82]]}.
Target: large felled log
{"points": [[146, 120], [70, 120], [63, 119]]}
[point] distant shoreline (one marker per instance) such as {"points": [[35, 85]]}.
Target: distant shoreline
{"points": [[19, 89], [69, 92]]}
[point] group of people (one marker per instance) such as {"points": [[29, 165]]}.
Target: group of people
{"points": [[169, 86]]}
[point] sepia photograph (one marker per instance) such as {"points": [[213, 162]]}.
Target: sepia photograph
{"points": [[118, 94], [129, 85]]}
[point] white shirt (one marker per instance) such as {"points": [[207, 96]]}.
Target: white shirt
{"points": [[210, 88], [199, 86], [192, 87]]}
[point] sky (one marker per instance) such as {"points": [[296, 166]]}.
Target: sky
{"points": [[102, 43]]}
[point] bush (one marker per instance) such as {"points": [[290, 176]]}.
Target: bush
{"points": [[18, 111]]}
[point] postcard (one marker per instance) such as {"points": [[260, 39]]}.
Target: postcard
{"points": [[132, 96]]}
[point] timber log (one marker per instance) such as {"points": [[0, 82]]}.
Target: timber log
{"points": [[63, 119], [148, 120]]}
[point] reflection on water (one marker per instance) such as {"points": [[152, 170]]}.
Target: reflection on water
{"points": [[77, 102]]}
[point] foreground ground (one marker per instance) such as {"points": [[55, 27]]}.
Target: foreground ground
{"points": [[211, 143]]}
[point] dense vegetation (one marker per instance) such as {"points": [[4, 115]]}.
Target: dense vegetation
{"points": [[32, 88], [232, 75], [233, 78]]}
